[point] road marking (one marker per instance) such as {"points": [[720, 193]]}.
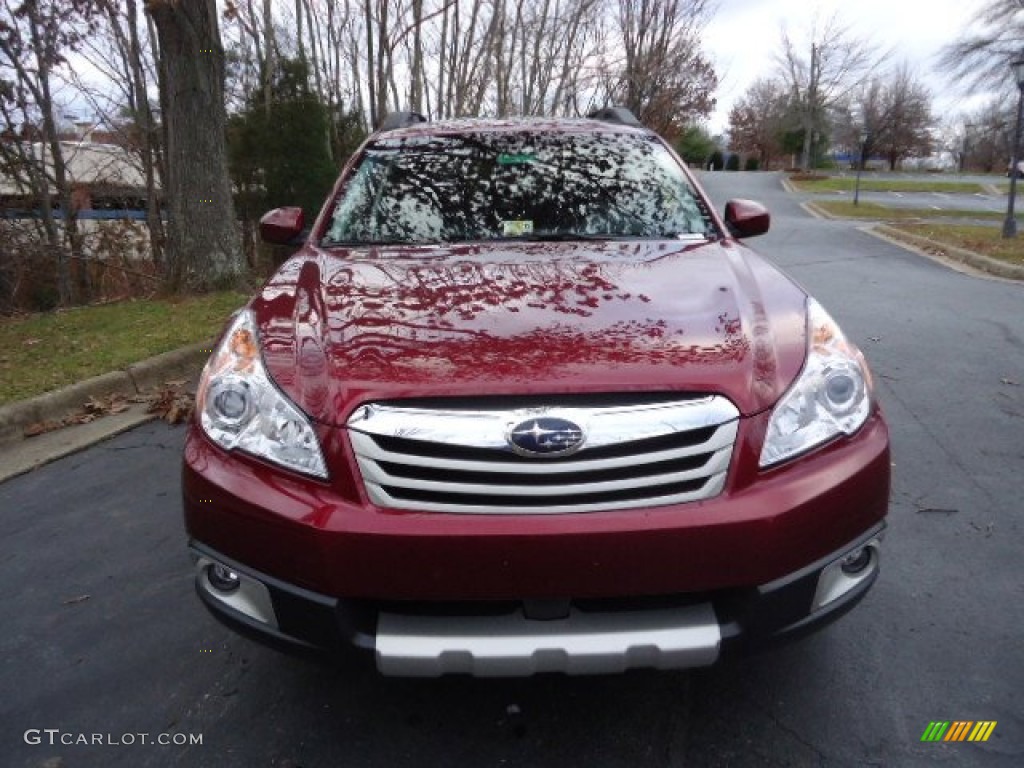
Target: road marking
{"points": [[898, 194], [936, 208], [940, 194], [982, 196], [811, 209]]}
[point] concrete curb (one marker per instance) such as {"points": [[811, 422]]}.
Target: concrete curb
{"points": [[974, 260], [17, 458], [135, 379]]}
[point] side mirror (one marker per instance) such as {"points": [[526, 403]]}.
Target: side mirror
{"points": [[745, 218], [282, 226]]}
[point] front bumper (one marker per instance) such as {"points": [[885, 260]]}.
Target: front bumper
{"points": [[330, 539], [500, 639]]}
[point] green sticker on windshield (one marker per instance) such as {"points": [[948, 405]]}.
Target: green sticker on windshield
{"points": [[515, 159], [516, 227]]}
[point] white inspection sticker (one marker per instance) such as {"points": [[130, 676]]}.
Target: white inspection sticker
{"points": [[516, 227]]}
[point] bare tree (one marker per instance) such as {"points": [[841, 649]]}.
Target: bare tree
{"points": [[987, 136], [893, 111], [126, 56], [584, 35], [824, 73], [203, 245], [463, 58], [416, 68], [541, 51], [33, 44], [269, 54], [908, 119], [757, 120], [449, 58], [980, 57], [243, 31], [952, 138], [663, 78]]}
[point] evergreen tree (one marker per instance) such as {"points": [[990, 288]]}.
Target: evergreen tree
{"points": [[280, 152], [695, 145]]}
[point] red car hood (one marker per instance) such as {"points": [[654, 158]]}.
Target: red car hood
{"points": [[339, 328]]}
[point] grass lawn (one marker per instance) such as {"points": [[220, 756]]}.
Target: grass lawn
{"points": [[875, 211], [847, 184], [43, 352], [980, 239]]}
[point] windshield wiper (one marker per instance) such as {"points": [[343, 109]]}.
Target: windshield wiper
{"points": [[550, 237], [326, 243], [564, 237]]}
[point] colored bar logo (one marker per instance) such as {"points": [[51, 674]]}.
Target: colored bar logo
{"points": [[958, 730]]}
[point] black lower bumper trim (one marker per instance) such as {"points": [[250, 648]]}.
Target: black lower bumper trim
{"points": [[750, 619], [780, 611]]}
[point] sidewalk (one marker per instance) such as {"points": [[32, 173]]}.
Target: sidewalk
{"points": [[20, 454]]}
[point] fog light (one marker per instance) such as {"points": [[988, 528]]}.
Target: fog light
{"points": [[856, 561], [844, 574], [222, 578]]}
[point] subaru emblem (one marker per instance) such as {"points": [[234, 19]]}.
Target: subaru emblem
{"points": [[545, 436]]}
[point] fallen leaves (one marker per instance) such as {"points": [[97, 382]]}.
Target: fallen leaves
{"points": [[41, 427], [102, 406], [171, 402]]}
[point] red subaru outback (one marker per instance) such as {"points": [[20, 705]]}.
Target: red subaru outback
{"points": [[523, 402]]}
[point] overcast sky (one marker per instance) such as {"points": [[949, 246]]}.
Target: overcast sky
{"points": [[745, 35]]}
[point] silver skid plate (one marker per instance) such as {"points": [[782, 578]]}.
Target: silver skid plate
{"points": [[513, 646]]}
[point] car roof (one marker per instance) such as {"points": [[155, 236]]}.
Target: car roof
{"points": [[514, 125]]}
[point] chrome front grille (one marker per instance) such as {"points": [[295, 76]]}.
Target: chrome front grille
{"points": [[459, 459]]}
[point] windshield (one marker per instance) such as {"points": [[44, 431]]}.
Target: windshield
{"points": [[495, 186]]}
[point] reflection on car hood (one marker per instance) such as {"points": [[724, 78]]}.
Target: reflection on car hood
{"points": [[343, 327]]}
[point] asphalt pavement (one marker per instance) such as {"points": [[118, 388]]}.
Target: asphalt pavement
{"points": [[105, 637]]}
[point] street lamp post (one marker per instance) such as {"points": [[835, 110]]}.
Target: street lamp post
{"points": [[860, 165], [1010, 225]]}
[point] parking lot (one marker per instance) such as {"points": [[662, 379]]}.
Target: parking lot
{"points": [[104, 635]]}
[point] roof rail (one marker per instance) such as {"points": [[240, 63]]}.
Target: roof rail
{"points": [[396, 120], [620, 115]]}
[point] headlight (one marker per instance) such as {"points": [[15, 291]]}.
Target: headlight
{"points": [[240, 407], [831, 396]]}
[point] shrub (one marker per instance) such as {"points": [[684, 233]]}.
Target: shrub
{"points": [[695, 146], [717, 160], [752, 164], [281, 157], [733, 163]]}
